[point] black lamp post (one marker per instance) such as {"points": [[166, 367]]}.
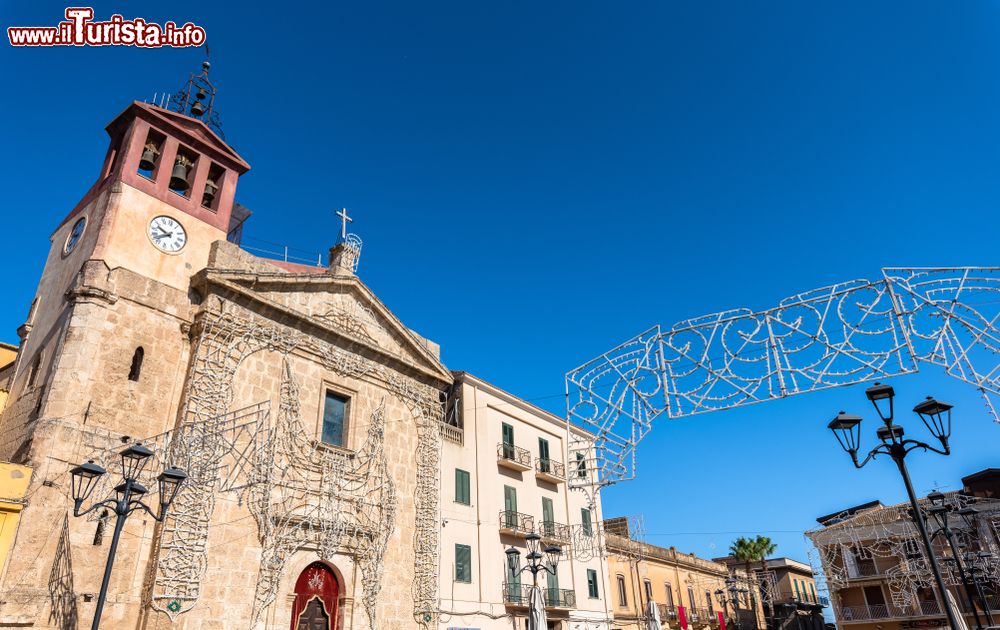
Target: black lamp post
{"points": [[720, 595], [538, 559], [126, 500], [936, 416], [939, 511]]}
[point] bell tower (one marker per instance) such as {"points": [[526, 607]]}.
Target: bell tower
{"points": [[164, 195]]}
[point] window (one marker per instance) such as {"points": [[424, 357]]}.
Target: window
{"points": [[514, 578], [812, 591], [334, 416], [548, 517], [670, 595], [581, 465], [622, 596], [708, 599], [798, 595], [510, 507], [588, 527], [462, 487], [35, 367], [691, 598], [463, 563], [543, 455], [592, 584], [136, 369], [649, 590], [508, 440]]}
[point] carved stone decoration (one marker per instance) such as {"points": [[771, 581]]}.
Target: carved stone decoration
{"points": [[301, 496]]}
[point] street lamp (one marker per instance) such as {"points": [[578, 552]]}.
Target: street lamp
{"points": [[939, 510], [936, 416], [126, 500]]}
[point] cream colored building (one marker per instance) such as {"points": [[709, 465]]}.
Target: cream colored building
{"points": [[504, 475], [682, 585], [874, 563]]}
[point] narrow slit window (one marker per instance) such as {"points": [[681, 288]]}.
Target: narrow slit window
{"points": [[136, 368], [36, 366]]}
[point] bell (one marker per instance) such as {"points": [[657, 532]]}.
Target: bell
{"points": [[197, 108], [148, 160], [209, 195], [178, 177]]}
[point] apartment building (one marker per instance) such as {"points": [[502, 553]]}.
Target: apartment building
{"points": [[682, 585], [876, 569], [788, 599], [504, 476]]}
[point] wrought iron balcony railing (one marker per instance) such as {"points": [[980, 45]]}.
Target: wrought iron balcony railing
{"points": [[550, 530], [667, 613], [517, 522], [517, 594], [559, 598], [550, 467], [515, 456]]}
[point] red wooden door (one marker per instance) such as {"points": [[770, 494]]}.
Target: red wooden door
{"points": [[316, 594]]}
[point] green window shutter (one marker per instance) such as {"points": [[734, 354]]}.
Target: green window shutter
{"points": [[462, 494], [797, 594], [543, 454], [592, 583], [812, 591], [509, 499], [588, 527], [548, 512], [463, 563], [508, 434]]}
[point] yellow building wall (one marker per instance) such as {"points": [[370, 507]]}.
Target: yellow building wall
{"points": [[8, 355], [14, 482]]}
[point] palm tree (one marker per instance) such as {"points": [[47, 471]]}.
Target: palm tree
{"points": [[747, 550]]}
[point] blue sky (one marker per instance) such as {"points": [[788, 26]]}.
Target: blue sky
{"points": [[537, 182]]}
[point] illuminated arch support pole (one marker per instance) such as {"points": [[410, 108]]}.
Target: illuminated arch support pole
{"points": [[834, 336]]}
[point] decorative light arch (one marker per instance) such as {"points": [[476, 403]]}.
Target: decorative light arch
{"points": [[835, 336]]}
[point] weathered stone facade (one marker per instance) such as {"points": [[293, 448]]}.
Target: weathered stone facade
{"points": [[237, 355]]}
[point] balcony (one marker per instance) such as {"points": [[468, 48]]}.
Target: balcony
{"points": [[548, 469], [516, 523], [886, 611], [519, 595], [667, 613], [700, 615], [513, 457], [556, 532], [559, 598], [863, 570]]}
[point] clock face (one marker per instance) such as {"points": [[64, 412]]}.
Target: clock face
{"points": [[167, 234], [75, 234]]}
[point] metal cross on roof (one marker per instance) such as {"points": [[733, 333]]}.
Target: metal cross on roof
{"points": [[344, 220]]}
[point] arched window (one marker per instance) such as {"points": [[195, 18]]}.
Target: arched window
{"points": [[622, 596], [35, 367], [136, 369]]}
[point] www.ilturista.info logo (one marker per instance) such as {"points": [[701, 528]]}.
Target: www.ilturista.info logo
{"points": [[80, 29]]}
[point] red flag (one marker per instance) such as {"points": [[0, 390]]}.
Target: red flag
{"points": [[682, 617], [722, 620]]}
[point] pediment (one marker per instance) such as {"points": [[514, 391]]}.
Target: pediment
{"points": [[342, 305], [197, 130]]}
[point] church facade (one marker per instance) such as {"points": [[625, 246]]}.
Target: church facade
{"points": [[307, 416]]}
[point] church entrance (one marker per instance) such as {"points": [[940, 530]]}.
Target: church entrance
{"points": [[316, 593]]}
